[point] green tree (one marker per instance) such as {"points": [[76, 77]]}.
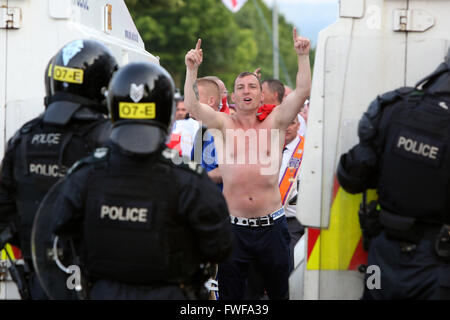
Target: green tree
{"points": [[169, 31], [231, 43], [259, 17]]}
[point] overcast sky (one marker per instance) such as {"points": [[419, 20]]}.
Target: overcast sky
{"points": [[309, 16]]}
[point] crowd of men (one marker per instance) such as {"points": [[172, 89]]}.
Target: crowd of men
{"points": [[205, 187], [99, 172]]}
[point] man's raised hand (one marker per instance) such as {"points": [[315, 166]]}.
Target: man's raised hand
{"points": [[257, 72], [301, 45], [194, 57]]}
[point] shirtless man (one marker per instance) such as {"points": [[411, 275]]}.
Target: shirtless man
{"points": [[250, 188]]}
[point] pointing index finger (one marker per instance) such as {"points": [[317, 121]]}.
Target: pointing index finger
{"points": [[199, 44], [294, 32]]}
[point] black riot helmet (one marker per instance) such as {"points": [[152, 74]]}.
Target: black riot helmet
{"points": [[140, 100], [438, 82], [447, 58], [81, 71], [47, 79]]}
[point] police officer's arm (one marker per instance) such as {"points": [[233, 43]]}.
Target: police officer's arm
{"points": [[8, 209], [68, 206], [199, 111], [357, 168], [290, 107], [206, 211]]}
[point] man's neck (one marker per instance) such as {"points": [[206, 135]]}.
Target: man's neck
{"points": [[247, 118], [288, 142]]}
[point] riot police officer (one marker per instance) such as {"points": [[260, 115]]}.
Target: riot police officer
{"points": [[404, 152], [145, 221], [73, 124]]}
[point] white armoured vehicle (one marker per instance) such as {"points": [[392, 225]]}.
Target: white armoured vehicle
{"points": [[375, 46]]}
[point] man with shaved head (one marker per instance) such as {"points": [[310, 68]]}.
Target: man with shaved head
{"points": [[184, 131], [209, 92], [205, 153], [223, 93]]}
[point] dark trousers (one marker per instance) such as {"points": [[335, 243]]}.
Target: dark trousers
{"points": [[255, 286], [268, 248], [417, 274]]}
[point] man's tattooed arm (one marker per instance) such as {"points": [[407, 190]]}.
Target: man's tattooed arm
{"points": [[195, 87]]}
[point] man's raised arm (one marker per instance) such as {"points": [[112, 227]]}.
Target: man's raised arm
{"points": [[291, 105], [199, 111]]}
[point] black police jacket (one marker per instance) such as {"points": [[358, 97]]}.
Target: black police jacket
{"points": [[404, 152], [36, 157], [142, 220]]}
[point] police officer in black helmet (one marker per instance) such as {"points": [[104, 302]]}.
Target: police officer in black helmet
{"points": [[404, 152], [145, 222], [73, 124]]}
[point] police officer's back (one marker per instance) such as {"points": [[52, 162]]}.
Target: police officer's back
{"points": [[73, 124], [404, 152], [144, 222]]}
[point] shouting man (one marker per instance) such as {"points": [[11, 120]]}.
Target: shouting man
{"points": [[249, 152]]}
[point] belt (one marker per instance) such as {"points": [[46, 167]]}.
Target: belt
{"points": [[259, 221], [407, 228]]}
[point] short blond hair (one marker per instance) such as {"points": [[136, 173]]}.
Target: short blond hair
{"points": [[212, 89]]}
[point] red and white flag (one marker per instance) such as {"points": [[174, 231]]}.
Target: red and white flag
{"points": [[234, 5]]}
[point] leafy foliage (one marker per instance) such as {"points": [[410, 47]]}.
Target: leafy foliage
{"points": [[231, 43]]}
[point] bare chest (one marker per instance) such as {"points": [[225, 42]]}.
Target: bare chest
{"points": [[250, 146]]}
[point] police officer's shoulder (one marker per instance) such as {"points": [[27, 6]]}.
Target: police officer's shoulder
{"points": [[98, 156], [371, 118], [173, 158], [30, 124], [399, 93], [23, 130], [388, 98]]}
